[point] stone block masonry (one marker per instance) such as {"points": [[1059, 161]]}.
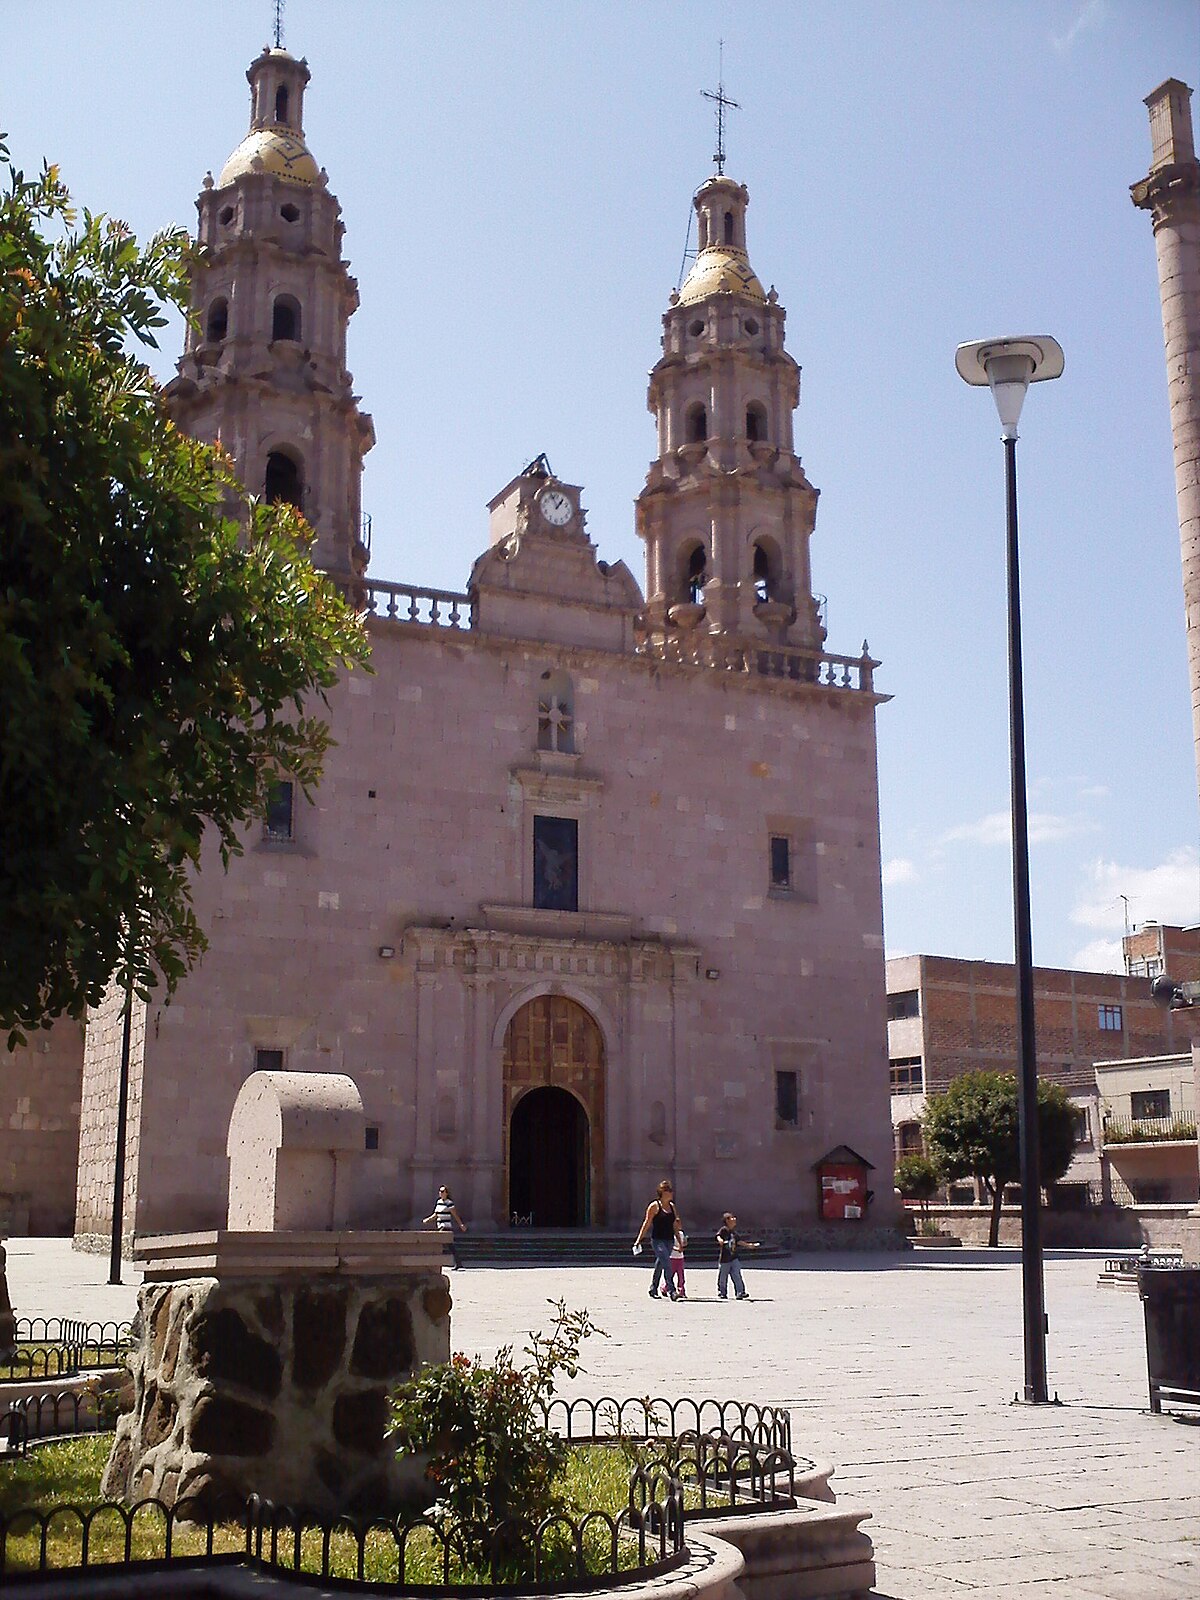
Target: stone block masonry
{"points": [[276, 1386]]}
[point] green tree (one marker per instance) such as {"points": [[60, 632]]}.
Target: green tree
{"points": [[160, 634], [917, 1178], [971, 1132]]}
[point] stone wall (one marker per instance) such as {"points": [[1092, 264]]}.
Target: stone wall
{"points": [[275, 1387], [1103, 1228], [39, 1123]]}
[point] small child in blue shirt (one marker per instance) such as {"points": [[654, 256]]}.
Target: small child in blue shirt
{"points": [[728, 1245]]}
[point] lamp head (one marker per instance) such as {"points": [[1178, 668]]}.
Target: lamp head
{"points": [[1008, 367]]}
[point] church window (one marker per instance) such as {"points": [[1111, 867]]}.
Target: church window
{"points": [[268, 1061], [371, 1141], [729, 227], [787, 1099], [283, 481], [751, 326], [217, 324], [281, 103], [225, 216], [781, 861], [697, 424], [696, 575], [290, 213], [556, 863], [696, 328], [756, 421], [765, 573], [280, 811], [556, 714], [285, 317]]}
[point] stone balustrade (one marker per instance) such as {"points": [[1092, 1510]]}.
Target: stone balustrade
{"points": [[403, 602], [787, 662]]}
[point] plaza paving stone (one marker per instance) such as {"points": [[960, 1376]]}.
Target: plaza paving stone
{"points": [[899, 1369]]}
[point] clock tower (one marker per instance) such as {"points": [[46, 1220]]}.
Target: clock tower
{"points": [[264, 363], [727, 512]]}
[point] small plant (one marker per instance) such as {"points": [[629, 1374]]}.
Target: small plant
{"points": [[928, 1227], [481, 1429]]}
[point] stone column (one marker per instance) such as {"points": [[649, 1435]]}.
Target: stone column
{"points": [[1171, 194]]}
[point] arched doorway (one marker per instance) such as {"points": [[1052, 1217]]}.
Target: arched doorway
{"points": [[549, 1162], [554, 1114]]}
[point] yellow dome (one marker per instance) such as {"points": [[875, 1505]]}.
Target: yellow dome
{"points": [[721, 270], [279, 150]]}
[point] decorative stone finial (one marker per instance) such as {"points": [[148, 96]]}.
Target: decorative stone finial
{"points": [[208, 180], [772, 296]]}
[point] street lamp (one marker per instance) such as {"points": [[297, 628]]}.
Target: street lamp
{"points": [[1008, 367]]}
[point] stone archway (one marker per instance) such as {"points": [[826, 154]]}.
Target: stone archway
{"points": [[553, 1042]]}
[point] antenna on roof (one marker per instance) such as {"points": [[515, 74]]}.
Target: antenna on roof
{"points": [[722, 100], [279, 24]]}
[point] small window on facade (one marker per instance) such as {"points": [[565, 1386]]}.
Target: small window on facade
{"points": [[697, 575], [781, 861], [217, 324], [905, 1074], [225, 216], [268, 1061], [283, 480], [280, 809], [750, 326], [281, 104], [756, 422], [787, 1099], [696, 328], [1080, 1128], [289, 212], [909, 1138], [729, 227], [697, 425], [1149, 1104], [1109, 1018], [372, 1139], [556, 716], [285, 317], [556, 863], [906, 1004]]}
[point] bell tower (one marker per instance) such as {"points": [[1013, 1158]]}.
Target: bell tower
{"points": [[726, 511], [264, 365]]}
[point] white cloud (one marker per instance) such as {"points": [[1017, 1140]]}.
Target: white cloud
{"points": [[1045, 827], [1090, 15], [899, 870], [1169, 892], [1101, 955]]}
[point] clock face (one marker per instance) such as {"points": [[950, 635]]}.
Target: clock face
{"points": [[556, 508]]}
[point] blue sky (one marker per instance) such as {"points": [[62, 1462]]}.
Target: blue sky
{"points": [[516, 182]]}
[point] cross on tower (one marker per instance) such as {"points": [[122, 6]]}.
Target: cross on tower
{"points": [[722, 100], [278, 24]]}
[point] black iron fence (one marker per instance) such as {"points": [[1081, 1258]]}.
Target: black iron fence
{"points": [[54, 1347], [584, 1421], [426, 1554]]}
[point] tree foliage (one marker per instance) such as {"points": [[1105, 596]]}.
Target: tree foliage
{"points": [[160, 634], [917, 1178], [971, 1131]]}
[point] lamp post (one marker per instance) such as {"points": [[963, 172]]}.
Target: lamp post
{"points": [[1008, 367]]}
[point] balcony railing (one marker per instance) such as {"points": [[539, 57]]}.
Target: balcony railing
{"points": [[1148, 1130], [788, 662], [402, 602]]}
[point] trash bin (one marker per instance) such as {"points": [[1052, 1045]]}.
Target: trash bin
{"points": [[1171, 1301]]}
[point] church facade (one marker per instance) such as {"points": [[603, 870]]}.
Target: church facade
{"points": [[590, 892]]}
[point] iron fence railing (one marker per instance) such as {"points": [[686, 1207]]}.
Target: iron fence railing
{"points": [[584, 1420]]}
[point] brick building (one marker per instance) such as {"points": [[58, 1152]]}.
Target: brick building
{"points": [[948, 1016], [1158, 947]]}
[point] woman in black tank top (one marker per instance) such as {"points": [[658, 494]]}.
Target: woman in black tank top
{"points": [[662, 1223]]}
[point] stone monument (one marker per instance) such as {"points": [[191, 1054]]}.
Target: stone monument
{"points": [[268, 1349]]}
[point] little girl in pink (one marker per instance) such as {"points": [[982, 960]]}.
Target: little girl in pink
{"points": [[676, 1270]]}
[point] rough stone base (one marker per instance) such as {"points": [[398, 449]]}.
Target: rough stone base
{"points": [[275, 1387]]}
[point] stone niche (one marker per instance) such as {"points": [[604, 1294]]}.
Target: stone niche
{"points": [[264, 1365]]}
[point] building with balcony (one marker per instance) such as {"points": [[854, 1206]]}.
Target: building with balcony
{"points": [[1148, 1130]]}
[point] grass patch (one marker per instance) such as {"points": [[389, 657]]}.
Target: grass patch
{"points": [[596, 1480], [31, 1362]]}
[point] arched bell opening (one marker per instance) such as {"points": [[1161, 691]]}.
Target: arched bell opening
{"points": [[283, 480]]}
